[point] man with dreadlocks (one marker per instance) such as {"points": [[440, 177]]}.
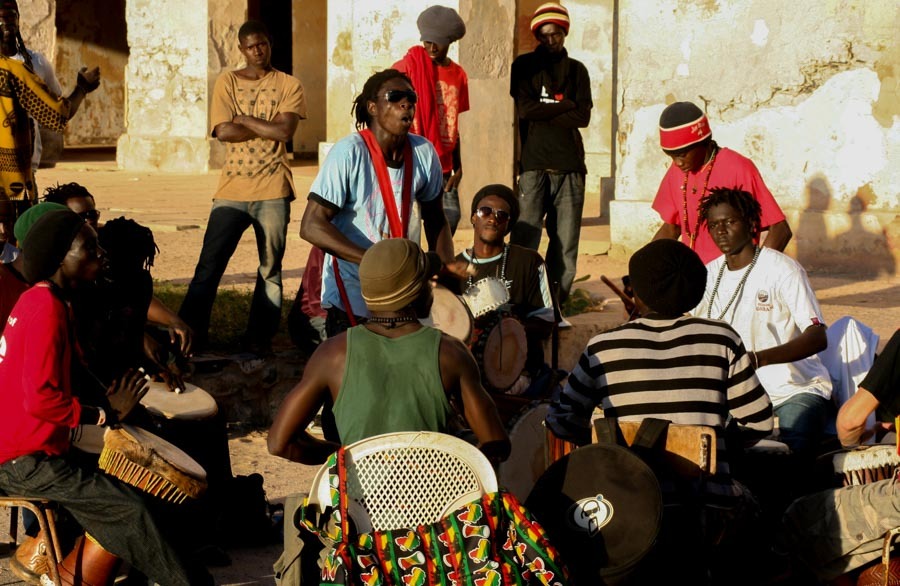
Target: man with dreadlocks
{"points": [[698, 165], [766, 296], [374, 184], [26, 95], [255, 110]]}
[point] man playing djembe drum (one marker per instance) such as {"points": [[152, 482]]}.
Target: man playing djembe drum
{"points": [[836, 531], [38, 409], [519, 271]]}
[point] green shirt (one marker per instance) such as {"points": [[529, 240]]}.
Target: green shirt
{"points": [[390, 385]]}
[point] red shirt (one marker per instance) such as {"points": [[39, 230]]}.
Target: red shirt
{"points": [[11, 288], [729, 170], [37, 409]]}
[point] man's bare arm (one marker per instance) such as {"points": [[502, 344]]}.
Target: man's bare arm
{"points": [[288, 437], [459, 369], [812, 341], [852, 416], [779, 235], [667, 231], [317, 229], [437, 229]]}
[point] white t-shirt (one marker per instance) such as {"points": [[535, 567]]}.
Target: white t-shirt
{"points": [[775, 306]]}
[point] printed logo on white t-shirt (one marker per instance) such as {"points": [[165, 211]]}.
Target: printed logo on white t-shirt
{"points": [[763, 301]]}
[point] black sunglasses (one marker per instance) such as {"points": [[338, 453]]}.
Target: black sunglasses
{"points": [[487, 211], [397, 95], [90, 215]]}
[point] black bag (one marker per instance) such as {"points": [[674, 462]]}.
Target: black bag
{"points": [[602, 508]]}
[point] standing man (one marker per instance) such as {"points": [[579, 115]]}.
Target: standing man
{"points": [[766, 296], [11, 45], [255, 110], [443, 90], [375, 184], [699, 165], [25, 98], [553, 100]]}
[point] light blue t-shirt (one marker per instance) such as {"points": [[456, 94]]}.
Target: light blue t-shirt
{"points": [[347, 180]]}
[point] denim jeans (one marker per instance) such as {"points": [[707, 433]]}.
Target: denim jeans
{"points": [[801, 421], [559, 197], [228, 221], [114, 514]]}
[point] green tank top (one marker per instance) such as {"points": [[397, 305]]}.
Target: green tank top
{"points": [[391, 384]]}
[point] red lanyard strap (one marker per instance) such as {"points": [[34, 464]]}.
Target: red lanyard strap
{"points": [[399, 224]]}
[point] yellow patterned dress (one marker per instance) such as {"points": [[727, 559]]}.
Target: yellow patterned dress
{"points": [[23, 93]]}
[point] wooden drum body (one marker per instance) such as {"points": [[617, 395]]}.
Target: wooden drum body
{"points": [[866, 464], [151, 464]]}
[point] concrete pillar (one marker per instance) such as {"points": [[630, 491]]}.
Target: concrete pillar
{"points": [[487, 131], [311, 67], [225, 19], [166, 94]]}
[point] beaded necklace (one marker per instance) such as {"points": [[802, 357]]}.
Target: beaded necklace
{"points": [[687, 228], [393, 322], [470, 281], [737, 291]]}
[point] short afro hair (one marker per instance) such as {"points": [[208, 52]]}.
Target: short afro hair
{"points": [[253, 27]]}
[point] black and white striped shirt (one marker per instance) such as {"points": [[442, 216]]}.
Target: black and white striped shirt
{"points": [[687, 370]]}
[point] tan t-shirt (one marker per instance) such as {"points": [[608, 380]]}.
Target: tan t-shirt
{"points": [[256, 169]]}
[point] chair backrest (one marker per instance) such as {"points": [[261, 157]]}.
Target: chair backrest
{"points": [[690, 449], [407, 479]]}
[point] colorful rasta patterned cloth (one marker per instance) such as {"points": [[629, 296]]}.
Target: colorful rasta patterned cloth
{"points": [[492, 541]]}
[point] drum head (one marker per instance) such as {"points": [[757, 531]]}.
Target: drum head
{"points": [[601, 506], [193, 403], [450, 315], [168, 452], [504, 354], [526, 461]]}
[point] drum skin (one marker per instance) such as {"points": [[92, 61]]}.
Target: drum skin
{"points": [[450, 315], [602, 508], [194, 403], [501, 350]]}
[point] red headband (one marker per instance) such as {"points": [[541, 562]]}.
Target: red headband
{"points": [[679, 137]]}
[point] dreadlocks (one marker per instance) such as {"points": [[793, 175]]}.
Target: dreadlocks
{"points": [[742, 202], [62, 193], [129, 246], [20, 43], [370, 94]]}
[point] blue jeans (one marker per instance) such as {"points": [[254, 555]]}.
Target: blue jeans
{"points": [[114, 514], [228, 221], [559, 197], [801, 422]]}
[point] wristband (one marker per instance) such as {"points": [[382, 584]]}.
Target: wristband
{"points": [[101, 419]]}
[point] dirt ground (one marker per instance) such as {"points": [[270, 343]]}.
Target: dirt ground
{"points": [[176, 208]]}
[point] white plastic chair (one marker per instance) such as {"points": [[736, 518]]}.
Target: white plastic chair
{"points": [[407, 479]]}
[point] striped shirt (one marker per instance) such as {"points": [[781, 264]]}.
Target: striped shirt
{"points": [[687, 370]]}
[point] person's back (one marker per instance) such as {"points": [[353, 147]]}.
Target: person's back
{"points": [[391, 385]]}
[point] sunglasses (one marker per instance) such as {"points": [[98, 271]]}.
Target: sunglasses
{"points": [[502, 216], [395, 96], [90, 215]]}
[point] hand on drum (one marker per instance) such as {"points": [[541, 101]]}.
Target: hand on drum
{"points": [[123, 394], [458, 268], [168, 364], [181, 335]]}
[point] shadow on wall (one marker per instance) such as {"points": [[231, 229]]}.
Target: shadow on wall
{"points": [[854, 241]]}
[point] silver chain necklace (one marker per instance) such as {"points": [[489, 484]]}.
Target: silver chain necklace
{"points": [[738, 290], [470, 281]]}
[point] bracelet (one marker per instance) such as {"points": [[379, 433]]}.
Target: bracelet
{"points": [[101, 419]]}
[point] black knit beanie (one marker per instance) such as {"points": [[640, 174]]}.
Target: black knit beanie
{"points": [[668, 277], [47, 243], [504, 193]]}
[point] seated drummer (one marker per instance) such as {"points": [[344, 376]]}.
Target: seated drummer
{"points": [[38, 409], [495, 210], [766, 296], [390, 374], [78, 199], [668, 365], [836, 531]]}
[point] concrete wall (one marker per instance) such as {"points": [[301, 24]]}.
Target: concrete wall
{"points": [[808, 90], [167, 87], [37, 22], [589, 41], [225, 18], [92, 33]]}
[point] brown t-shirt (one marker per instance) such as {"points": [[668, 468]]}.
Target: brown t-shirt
{"points": [[256, 169]]}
